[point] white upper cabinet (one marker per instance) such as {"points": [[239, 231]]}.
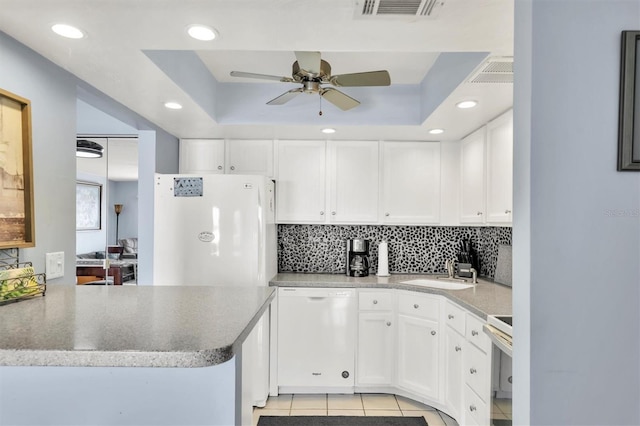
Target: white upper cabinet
{"points": [[201, 156], [500, 169], [249, 157], [411, 183], [234, 156], [353, 181], [300, 182], [472, 172]]}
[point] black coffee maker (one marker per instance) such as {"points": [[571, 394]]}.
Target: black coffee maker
{"points": [[357, 257]]}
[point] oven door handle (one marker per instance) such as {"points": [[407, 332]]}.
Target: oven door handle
{"points": [[499, 339]]}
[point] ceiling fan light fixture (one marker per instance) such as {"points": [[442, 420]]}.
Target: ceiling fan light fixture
{"points": [[67, 31], [172, 105], [466, 104], [88, 149], [328, 131], [201, 32], [436, 131]]}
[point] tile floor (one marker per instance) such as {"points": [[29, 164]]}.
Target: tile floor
{"points": [[350, 405]]}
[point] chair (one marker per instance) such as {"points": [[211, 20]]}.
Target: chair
{"points": [[115, 252]]}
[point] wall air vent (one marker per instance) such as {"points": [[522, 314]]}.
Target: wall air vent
{"points": [[494, 70], [398, 8]]}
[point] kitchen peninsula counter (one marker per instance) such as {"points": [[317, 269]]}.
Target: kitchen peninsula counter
{"points": [[81, 355], [130, 326], [484, 298]]}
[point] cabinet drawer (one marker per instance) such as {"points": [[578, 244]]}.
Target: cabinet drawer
{"points": [[475, 410], [475, 333], [477, 371], [418, 305], [454, 317], [375, 300]]}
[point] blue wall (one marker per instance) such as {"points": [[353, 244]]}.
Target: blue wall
{"points": [[54, 94]]}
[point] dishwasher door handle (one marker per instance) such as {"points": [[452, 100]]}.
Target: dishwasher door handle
{"points": [[317, 298]]}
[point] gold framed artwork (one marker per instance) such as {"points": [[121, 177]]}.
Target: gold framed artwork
{"points": [[17, 227]]}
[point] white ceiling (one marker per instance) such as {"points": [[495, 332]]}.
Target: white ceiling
{"points": [[260, 36]]}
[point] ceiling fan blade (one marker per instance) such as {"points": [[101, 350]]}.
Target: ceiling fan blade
{"points": [[260, 76], [285, 97], [309, 61], [371, 78], [339, 99]]}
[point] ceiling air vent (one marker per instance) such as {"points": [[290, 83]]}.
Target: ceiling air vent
{"points": [[494, 70], [398, 8]]}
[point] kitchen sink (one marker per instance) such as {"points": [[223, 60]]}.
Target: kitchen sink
{"points": [[441, 284]]}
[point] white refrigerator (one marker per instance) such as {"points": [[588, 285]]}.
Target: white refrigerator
{"points": [[219, 230]]}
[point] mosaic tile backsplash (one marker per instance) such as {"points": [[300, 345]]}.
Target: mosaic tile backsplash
{"points": [[412, 249]]}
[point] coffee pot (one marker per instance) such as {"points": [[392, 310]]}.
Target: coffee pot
{"points": [[357, 260]]}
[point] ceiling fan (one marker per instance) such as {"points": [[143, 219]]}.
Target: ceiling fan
{"points": [[311, 71]]}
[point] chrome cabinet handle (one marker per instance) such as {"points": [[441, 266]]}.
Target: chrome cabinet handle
{"points": [[433, 332], [472, 370], [375, 302], [458, 348], [507, 211], [232, 167], [321, 213], [510, 379], [474, 333], [387, 214], [388, 323], [472, 408], [451, 316], [219, 167], [479, 214], [333, 213], [416, 306]]}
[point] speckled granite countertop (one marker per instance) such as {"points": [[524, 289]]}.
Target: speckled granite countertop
{"points": [[130, 326], [485, 298]]}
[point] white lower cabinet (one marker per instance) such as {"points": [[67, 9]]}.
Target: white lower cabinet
{"points": [[375, 349], [420, 345], [477, 374], [376, 338], [418, 356], [454, 347]]}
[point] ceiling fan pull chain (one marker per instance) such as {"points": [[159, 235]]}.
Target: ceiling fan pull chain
{"points": [[320, 113]]}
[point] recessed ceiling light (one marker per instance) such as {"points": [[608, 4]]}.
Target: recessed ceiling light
{"points": [[172, 105], [67, 31], [436, 131], [328, 131], [201, 32], [466, 104]]}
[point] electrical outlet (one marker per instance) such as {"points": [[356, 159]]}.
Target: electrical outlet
{"points": [[54, 265]]}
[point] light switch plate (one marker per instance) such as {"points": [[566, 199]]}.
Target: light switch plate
{"points": [[54, 266]]}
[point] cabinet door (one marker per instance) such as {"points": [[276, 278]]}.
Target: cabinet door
{"points": [[201, 156], [374, 364], [353, 181], [300, 188], [472, 184], [454, 345], [411, 182], [500, 169], [249, 157], [418, 360]]}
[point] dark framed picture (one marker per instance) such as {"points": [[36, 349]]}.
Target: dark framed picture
{"points": [[17, 228], [88, 206], [629, 118]]}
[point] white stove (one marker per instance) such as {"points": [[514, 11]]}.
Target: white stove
{"points": [[500, 330]]}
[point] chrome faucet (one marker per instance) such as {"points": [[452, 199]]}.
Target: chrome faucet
{"points": [[450, 266]]}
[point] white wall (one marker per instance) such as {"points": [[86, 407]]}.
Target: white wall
{"points": [[578, 305]]}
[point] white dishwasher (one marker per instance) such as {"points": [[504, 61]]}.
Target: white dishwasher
{"points": [[316, 340]]}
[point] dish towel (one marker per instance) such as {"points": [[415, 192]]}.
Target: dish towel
{"points": [[383, 259]]}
